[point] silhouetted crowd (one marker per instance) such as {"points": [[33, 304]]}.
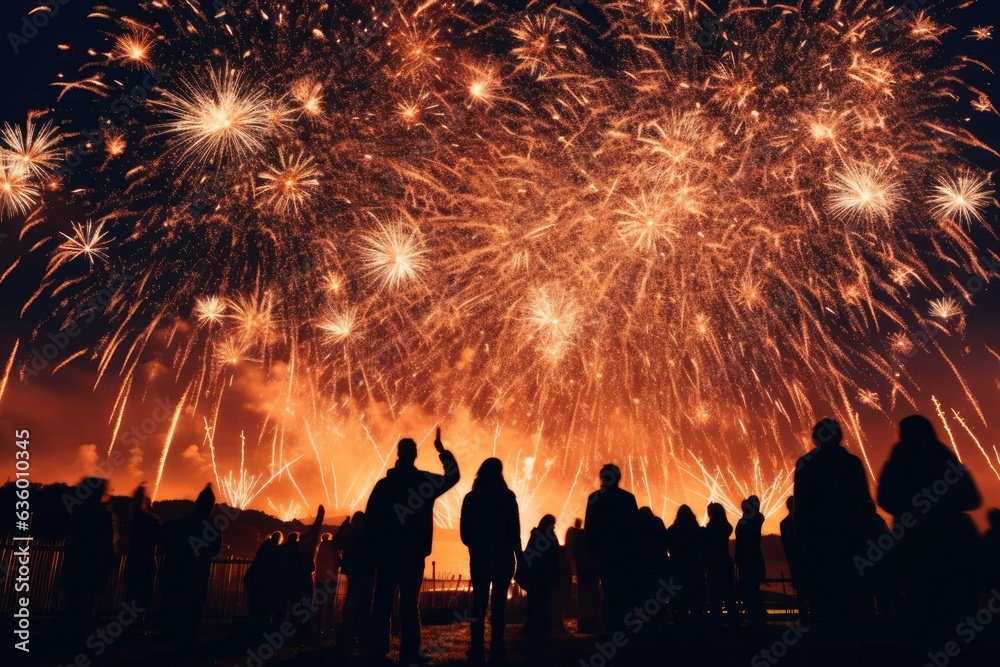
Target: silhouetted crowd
{"points": [[930, 569]]}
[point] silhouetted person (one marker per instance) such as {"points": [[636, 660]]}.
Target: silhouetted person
{"points": [[563, 596], [491, 528], [884, 573], [924, 485], [833, 513], [541, 578], [327, 577], [651, 558], [611, 525], [301, 561], [787, 530], [289, 575], [588, 583], [991, 550], [686, 542], [140, 563], [89, 554], [262, 580], [750, 572], [399, 527], [358, 565], [719, 567], [189, 544]]}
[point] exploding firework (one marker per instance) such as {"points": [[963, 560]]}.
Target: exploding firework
{"points": [[587, 231]]}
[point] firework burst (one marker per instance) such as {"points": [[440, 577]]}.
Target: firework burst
{"points": [[524, 216], [86, 241], [964, 198], [217, 116], [35, 148]]}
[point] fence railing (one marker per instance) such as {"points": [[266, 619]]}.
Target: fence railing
{"points": [[226, 593]]}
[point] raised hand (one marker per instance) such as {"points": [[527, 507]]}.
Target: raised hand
{"points": [[438, 445]]}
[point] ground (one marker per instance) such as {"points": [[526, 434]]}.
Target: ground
{"points": [[781, 643]]}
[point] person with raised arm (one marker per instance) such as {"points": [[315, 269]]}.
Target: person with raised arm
{"points": [[399, 528]]}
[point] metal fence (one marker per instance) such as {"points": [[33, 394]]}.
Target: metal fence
{"points": [[226, 593]]}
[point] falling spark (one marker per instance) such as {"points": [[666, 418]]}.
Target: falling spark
{"points": [[6, 372]]}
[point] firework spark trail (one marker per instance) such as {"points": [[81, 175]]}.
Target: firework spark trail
{"points": [[572, 487], [285, 512], [471, 211], [120, 404], [241, 489], [295, 484], [972, 435], [166, 444], [947, 428], [319, 462], [7, 369], [717, 489]]}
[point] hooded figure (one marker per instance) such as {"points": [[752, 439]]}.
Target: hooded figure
{"points": [[540, 577], [140, 564], [686, 542], [89, 554], [928, 492], [262, 583], [833, 518], [189, 544]]}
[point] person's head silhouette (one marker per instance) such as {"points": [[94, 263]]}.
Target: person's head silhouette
{"points": [[827, 432], [716, 511], [92, 490], [685, 515], [917, 428], [751, 506], [790, 504], [407, 451], [578, 523], [326, 537], [292, 538], [205, 502], [276, 537], [490, 475], [611, 475], [139, 499]]}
